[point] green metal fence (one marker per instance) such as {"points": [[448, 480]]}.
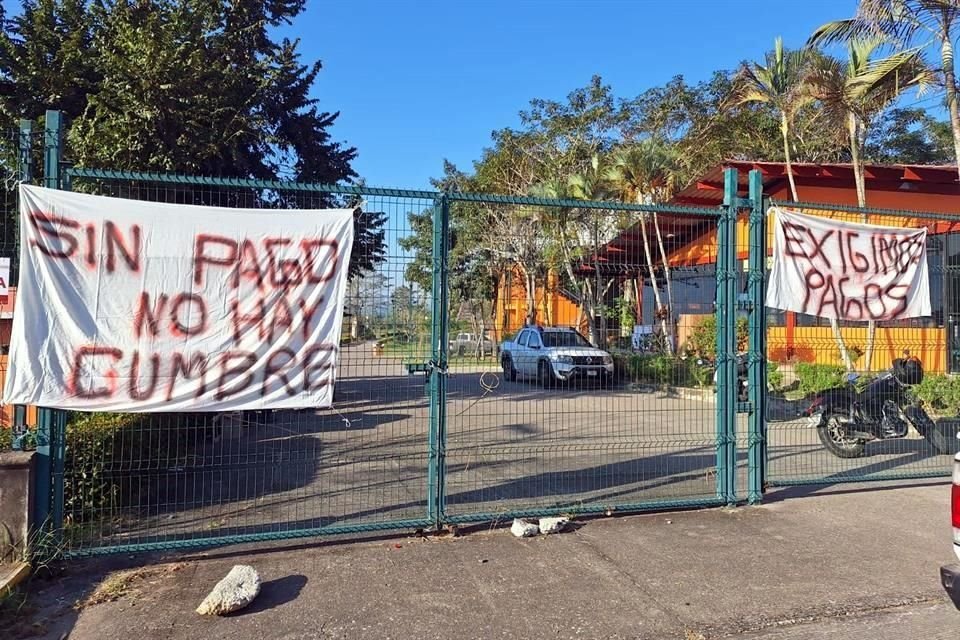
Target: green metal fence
{"points": [[805, 357], [440, 417]]}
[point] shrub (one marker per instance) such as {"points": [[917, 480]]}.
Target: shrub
{"points": [[703, 339], [94, 441], [814, 378], [774, 377], [101, 444], [660, 369], [6, 438], [941, 392]]}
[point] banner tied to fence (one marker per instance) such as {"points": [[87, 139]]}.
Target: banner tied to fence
{"points": [[847, 271], [126, 305]]}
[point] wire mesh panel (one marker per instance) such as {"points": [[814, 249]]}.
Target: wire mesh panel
{"points": [[582, 339], [19, 150], [163, 480], [866, 400]]}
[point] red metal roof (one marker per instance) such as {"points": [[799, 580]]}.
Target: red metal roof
{"points": [[708, 190]]}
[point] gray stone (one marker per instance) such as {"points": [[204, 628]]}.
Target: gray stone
{"points": [[234, 592], [524, 528], [553, 525]]}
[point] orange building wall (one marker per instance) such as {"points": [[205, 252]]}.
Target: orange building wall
{"points": [[816, 345], [553, 308], [703, 250], [6, 325]]}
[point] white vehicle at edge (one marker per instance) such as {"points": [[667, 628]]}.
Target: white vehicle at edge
{"points": [[553, 354], [950, 573]]}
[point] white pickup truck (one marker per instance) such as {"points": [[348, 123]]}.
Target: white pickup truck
{"points": [[466, 343], [950, 574], [553, 354]]}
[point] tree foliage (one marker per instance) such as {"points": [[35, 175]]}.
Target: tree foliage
{"points": [[183, 86]]}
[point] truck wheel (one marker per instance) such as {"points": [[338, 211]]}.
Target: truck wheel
{"points": [[508, 371], [545, 374]]}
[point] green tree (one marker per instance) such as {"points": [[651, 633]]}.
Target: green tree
{"points": [[908, 24], [646, 172], [780, 83], [854, 93], [909, 136], [47, 60], [186, 86]]}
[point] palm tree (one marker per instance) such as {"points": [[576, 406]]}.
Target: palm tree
{"points": [[646, 172], [573, 230], [591, 185], [779, 83], [854, 93], [906, 23]]}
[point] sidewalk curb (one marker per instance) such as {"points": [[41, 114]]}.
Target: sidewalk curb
{"points": [[12, 577]]}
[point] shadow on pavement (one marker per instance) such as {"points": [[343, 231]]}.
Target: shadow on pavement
{"points": [[274, 593]]}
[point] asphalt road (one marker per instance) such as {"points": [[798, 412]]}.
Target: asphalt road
{"points": [[848, 563], [510, 445]]}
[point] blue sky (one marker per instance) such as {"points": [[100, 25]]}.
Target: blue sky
{"points": [[417, 82]]}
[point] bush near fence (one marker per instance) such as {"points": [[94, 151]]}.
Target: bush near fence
{"points": [[941, 392], [662, 370], [100, 443]]}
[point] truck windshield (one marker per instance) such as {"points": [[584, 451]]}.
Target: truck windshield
{"points": [[564, 339]]}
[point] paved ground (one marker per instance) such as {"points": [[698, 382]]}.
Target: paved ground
{"points": [[510, 445], [848, 563]]}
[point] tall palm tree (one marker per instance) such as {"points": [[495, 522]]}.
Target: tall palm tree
{"points": [[646, 172], [908, 23], [854, 93], [575, 232], [592, 229], [780, 83]]}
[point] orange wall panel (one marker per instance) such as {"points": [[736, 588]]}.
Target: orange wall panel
{"points": [[816, 345]]}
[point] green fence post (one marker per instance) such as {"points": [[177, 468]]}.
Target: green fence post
{"points": [[436, 472], [757, 260], [727, 341], [25, 148], [52, 149], [51, 423]]}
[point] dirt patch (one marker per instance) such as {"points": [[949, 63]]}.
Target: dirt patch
{"points": [[128, 582]]}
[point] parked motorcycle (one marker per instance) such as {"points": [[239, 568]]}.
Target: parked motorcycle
{"points": [[846, 418], [743, 394]]}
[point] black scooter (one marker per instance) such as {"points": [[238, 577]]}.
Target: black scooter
{"points": [[846, 419]]}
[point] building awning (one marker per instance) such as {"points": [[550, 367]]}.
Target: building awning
{"points": [[625, 254]]}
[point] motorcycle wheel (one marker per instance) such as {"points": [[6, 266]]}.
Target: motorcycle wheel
{"points": [[833, 436], [942, 438]]}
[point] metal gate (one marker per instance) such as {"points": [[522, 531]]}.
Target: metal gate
{"points": [[432, 424], [804, 357], [423, 434]]}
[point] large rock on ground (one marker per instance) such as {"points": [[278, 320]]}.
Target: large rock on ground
{"points": [[553, 525], [523, 528], [234, 592]]}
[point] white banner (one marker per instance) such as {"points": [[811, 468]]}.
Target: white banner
{"points": [[126, 305], [848, 271], [4, 278]]}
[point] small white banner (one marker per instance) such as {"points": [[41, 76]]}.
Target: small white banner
{"points": [[126, 305], [4, 278], [848, 271]]}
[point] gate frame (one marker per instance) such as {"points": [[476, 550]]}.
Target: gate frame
{"points": [[51, 429]]}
